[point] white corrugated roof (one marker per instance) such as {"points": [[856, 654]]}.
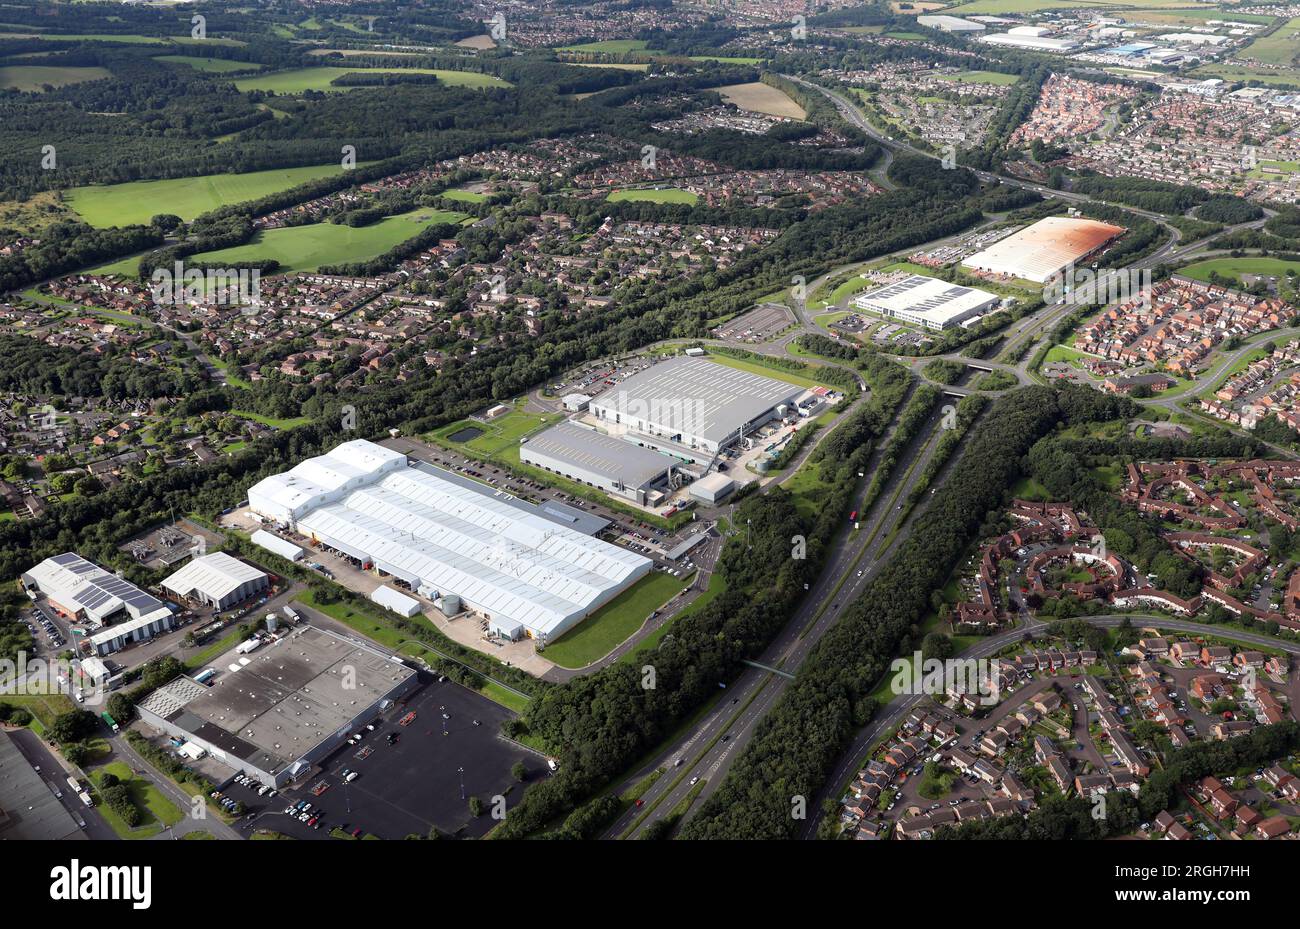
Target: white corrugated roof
{"points": [[431, 531], [273, 543], [307, 482], [215, 575]]}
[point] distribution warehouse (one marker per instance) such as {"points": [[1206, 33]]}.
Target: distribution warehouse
{"points": [[218, 580], [275, 712], [694, 403], [522, 571], [615, 465], [927, 301], [1045, 249], [82, 590]]}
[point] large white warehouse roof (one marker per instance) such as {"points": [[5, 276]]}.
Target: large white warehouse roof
{"points": [[285, 496], [438, 535], [927, 300]]}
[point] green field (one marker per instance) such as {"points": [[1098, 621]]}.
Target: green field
{"points": [[464, 196], [652, 195], [980, 77], [1023, 6], [1234, 72], [1280, 48], [499, 436], [186, 197], [611, 46], [598, 635], [1195, 17], [1291, 167], [726, 60], [305, 248], [218, 65], [1233, 267], [35, 77], [755, 367], [849, 288], [717, 587], [135, 39], [298, 80], [271, 421]]}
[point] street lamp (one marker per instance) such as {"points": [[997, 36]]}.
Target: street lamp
{"points": [[461, 772]]}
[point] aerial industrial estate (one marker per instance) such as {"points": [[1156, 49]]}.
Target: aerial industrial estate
{"points": [[847, 422]]}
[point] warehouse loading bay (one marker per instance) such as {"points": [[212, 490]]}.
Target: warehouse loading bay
{"points": [[409, 773]]}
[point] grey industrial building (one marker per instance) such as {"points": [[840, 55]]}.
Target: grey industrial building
{"points": [[218, 579], [29, 809], [275, 712], [84, 592], [694, 402], [616, 466], [712, 487]]}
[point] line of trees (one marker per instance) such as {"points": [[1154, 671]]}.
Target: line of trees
{"points": [[796, 746], [601, 723]]}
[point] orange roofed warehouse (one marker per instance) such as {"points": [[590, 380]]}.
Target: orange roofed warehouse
{"points": [[1045, 249]]}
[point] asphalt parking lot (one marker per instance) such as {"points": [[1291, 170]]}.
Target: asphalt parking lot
{"points": [[414, 784]]}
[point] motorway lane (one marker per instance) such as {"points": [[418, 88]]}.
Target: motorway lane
{"points": [[756, 692], [705, 754], [752, 681]]}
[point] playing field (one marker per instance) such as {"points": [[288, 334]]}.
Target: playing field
{"points": [[305, 248], [298, 80], [1289, 167], [980, 77], [186, 197], [35, 77], [1280, 48], [761, 98], [666, 195], [216, 65], [1235, 267], [610, 47], [464, 196]]}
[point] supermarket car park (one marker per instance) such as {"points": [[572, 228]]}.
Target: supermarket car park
{"points": [[408, 774]]}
